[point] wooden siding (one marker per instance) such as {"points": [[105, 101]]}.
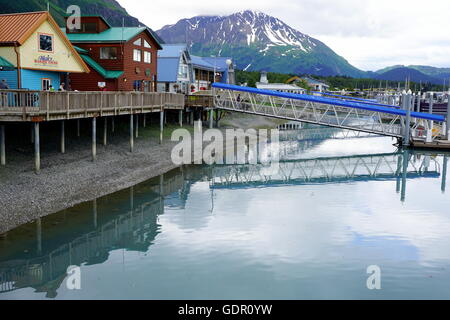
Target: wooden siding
{"points": [[124, 62]]}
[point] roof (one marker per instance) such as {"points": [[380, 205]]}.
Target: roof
{"points": [[173, 51], [5, 64], [330, 101], [201, 63], [278, 86], [102, 71], [168, 69], [91, 16], [314, 81], [18, 27], [111, 35]]}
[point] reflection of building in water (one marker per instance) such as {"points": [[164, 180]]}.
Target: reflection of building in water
{"points": [[37, 255]]}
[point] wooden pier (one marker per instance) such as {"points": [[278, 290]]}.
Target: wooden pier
{"points": [[24, 106]]}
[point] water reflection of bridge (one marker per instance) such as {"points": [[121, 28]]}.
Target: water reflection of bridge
{"points": [[42, 261], [399, 166]]}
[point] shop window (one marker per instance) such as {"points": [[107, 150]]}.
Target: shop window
{"points": [[137, 55], [108, 53], [147, 57], [45, 42]]}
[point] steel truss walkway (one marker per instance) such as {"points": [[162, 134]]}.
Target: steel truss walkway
{"points": [[350, 115]]}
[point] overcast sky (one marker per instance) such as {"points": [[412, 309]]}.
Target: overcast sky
{"points": [[370, 34]]}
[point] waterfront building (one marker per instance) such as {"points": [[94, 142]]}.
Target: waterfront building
{"points": [[35, 54], [316, 85], [264, 84], [175, 73], [206, 67], [119, 58]]}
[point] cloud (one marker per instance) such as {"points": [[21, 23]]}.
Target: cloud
{"points": [[370, 34]]}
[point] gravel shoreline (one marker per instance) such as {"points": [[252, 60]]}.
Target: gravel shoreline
{"points": [[72, 178]]}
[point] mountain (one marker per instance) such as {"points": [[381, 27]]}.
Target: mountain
{"points": [[111, 10], [402, 73], [437, 73], [258, 42]]}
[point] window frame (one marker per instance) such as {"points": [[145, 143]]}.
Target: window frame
{"points": [[147, 44], [115, 48], [134, 55], [148, 54], [138, 40], [52, 37]]}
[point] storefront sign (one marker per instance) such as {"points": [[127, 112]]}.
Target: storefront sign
{"points": [[45, 61]]}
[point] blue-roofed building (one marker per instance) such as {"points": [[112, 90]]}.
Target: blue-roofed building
{"points": [[175, 73], [205, 67]]}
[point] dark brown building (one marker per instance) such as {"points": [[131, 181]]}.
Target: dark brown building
{"points": [[120, 59]]}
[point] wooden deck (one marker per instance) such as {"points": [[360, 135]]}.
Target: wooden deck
{"points": [[37, 106], [199, 101]]}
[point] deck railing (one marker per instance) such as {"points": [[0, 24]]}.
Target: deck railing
{"points": [[199, 101], [71, 101]]}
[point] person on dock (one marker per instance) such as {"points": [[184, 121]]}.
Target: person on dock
{"points": [[4, 85]]}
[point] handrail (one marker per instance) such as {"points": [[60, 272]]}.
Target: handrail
{"points": [[330, 101]]}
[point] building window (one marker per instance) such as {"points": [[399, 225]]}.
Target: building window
{"points": [[108, 53], [137, 55], [147, 57], [147, 45], [45, 42], [138, 42], [183, 71], [46, 84], [89, 27]]}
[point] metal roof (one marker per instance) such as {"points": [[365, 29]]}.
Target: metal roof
{"points": [[102, 71], [173, 51], [201, 63], [330, 101], [111, 35], [18, 27]]}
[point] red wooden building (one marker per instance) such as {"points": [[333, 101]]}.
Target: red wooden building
{"points": [[120, 59]]}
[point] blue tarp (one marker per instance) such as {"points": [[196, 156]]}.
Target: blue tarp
{"points": [[330, 101]]}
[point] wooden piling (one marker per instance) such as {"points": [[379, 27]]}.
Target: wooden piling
{"points": [[63, 138], [2, 145], [131, 133], [94, 139], [105, 131], [161, 127], [37, 148]]}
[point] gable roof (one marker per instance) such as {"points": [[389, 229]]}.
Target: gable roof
{"points": [[18, 27], [111, 35]]}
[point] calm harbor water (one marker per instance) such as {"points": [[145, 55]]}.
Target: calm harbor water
{"points": [[336, 206]]}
